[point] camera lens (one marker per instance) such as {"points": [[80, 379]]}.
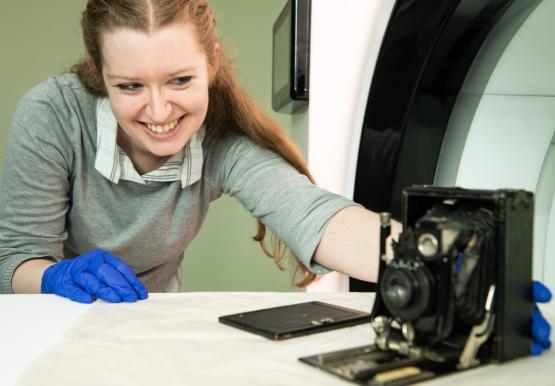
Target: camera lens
{"points": [[406, 289], [399, 289]]}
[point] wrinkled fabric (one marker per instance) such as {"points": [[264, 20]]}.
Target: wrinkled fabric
{"points": [[177, 340]]}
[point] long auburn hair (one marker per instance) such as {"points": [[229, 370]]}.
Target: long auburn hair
{"points": [[230, 108]]}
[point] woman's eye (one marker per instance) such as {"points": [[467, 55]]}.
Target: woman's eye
{"points": [[182, 80], [129, 86]]}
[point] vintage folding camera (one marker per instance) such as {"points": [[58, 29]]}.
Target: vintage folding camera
{"points": [[454, 295]]}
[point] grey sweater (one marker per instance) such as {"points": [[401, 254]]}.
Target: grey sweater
{"points": [[54, 203]]}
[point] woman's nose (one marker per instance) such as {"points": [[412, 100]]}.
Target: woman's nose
{"points": [[159, 108]]}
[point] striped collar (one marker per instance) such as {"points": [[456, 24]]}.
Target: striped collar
{"points": [[114, 164]]}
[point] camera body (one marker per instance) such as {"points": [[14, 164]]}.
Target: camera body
{"points": [[463, 259], [456, 292]]}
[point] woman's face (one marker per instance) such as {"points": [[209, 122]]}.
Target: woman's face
{"points": [[157, 84]]}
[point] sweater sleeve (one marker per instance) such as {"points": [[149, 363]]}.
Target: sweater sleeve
{"points": [[35, 184], [273, 191]]}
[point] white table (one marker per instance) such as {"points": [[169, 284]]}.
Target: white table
{"points": [[176, 339]]}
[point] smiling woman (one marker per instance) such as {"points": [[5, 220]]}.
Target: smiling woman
{"points": [[110, 169], [58, 49]]}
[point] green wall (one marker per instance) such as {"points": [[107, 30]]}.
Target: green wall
{"points": [[223, 256], [37, 39], [42, 38]]}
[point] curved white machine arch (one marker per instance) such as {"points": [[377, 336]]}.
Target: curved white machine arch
{"points": [[501, 131]]}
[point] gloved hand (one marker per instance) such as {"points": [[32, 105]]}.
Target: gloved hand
{"points": [[541, 330], [95, 274]]}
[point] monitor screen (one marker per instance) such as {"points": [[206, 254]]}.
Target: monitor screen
{"points": [[291, 50]]}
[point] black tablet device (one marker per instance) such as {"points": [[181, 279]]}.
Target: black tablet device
{"points": [[295, 320]]}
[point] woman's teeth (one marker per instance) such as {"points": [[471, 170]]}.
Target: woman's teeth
{"points": [[162, 128]]}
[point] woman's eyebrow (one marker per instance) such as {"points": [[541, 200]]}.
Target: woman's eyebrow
{"points": [[182, 70], [122, 77], [130, 78]]}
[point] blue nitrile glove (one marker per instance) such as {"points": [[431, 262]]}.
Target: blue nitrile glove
{"points": [[95, 274], [541, 330]]}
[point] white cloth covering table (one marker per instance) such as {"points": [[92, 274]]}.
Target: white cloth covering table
{"points": [[176, 339]]}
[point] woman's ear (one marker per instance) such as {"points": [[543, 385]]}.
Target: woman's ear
{"points": [[94, 73], [89, 60], [215, 60], [90, 63]]}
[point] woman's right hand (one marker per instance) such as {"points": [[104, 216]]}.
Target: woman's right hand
{"points": [[95, 274]]}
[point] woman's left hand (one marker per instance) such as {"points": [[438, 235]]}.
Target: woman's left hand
{"points": [[541, 330]]}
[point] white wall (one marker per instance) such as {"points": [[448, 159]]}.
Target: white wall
{"points": [[345, 41]]}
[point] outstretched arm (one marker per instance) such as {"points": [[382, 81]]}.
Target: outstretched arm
{"points": [[350, 243]]}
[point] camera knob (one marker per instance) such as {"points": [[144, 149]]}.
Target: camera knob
{"points": [[428, 245]]}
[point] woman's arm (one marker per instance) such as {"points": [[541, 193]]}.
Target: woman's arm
{"points": [[351, 241], [34, 197], [27, 276]]}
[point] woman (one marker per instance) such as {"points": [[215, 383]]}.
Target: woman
{"points": [[126, 154]]}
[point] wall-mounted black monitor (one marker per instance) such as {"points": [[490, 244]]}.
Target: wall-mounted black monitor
{"points": [[291, 52]]}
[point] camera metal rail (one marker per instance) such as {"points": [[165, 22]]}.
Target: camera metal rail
{"points": [[478, 335], [397, 362]]}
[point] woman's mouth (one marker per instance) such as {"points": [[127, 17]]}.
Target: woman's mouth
{"points": [[163, 131]]}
